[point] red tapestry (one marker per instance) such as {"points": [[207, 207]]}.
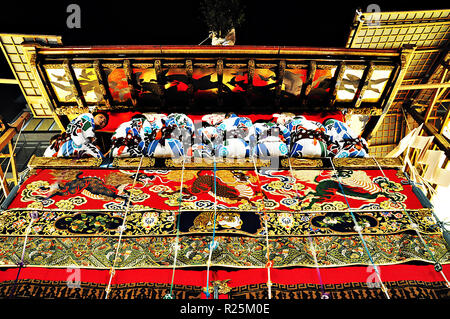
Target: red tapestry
{"points": [[243, 190]]}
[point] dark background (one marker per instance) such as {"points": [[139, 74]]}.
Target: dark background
{"points": [[291, 23]]}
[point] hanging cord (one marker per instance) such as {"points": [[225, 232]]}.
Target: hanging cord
{"points": [[209, 36], [358, 228], [21, 263], [176, 244], [265, 218], [437, 265], [122, 229], [324, 295], [9, 162], [213, 244]]}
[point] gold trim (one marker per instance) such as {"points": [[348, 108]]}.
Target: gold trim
{"points": [[61, 162], [302, 163], [133, 162], [367, 162], [197, 163], [362, 110]]}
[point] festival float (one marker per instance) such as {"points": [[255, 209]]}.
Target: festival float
{"points": [[234, 172]]}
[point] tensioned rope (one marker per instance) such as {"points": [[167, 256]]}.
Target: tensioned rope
{"points": [[269, 263], [121, 230], [21, 262], [213, 244], [437, 265], [176, 244], [28, 229], [358, 228], [324, 295]]}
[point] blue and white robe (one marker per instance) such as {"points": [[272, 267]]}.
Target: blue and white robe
{"points": [[79, 141], [342, 141]]}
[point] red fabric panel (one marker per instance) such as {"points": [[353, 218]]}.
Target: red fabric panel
{"points": [[239, 277], [191, 182], [115, 118]]}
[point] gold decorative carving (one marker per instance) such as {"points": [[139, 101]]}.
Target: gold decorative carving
{"points": [[142, 65], [66, 110], [363, 111], [196, 163], [112, 65], [297, 66], [235, 65], [204, 65], [367, 162], [302, 162], [63, 162], [266, 65], [133, 162]]}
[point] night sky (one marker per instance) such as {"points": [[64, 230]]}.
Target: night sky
{"points": [[292, 23]]}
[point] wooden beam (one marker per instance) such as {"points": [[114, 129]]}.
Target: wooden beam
{"points": [[251, 73], [442, 143], [6, 139], [102, 82], [406, 56], [280, 78], [190, 90], [306, 88], [219, 71], [76, 89], [159, 79], [53, 100], [425, 86], [130, 79], [336, 82], [9, 81], [435, 97], [382, 145], [363, 83]]}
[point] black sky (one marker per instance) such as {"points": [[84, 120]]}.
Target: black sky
{"points": [[292, 23]]}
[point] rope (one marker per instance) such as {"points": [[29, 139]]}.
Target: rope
{"points": [[358, 228], [122, 229], [324, 295], [213, 242], [265, 218], [437, 265], [21, 262], [177, 237]]}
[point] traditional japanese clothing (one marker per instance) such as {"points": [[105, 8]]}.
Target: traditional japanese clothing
{"points": [[307, 138], [171, 139], [234, 137], [128, 138], [77, 141], [204, 142], [342, 141], [269, 139]]}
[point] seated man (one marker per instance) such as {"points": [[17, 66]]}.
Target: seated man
{"points": [[234, 137], [307, 138], [171, 139], [343, 142], [268, 139], [128, 138], [79, 138]]}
